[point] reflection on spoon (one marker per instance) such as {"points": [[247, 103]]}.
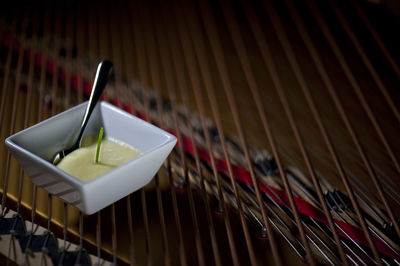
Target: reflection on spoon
{"points": [[103, 72]]}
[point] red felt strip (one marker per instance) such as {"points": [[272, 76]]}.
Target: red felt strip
{"points": [[281, 198]]}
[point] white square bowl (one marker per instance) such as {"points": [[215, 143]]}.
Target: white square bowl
{"points": [[34, 148]]}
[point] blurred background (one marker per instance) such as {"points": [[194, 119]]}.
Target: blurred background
{"points": [[298, 97]]}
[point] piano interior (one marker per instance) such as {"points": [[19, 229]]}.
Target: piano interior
{"points": [[286, 114]]}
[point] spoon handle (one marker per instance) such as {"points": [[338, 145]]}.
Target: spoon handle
{"points": [[103, 71]]}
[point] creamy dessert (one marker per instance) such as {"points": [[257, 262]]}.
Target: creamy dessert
{"points": [[81, 162]]}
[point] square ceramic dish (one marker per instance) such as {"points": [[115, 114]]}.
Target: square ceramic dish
{"points": [[34, 148]]}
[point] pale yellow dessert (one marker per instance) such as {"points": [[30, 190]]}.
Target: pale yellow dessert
{"points": [[81, 162]]}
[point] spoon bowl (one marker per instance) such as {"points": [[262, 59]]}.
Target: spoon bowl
{"points": [[34, 146]]}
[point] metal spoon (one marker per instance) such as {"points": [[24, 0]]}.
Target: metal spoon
{"points": [[103, 71]]}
